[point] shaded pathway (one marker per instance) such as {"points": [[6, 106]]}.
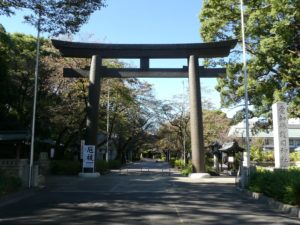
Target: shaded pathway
{"points": [[140, 199]]}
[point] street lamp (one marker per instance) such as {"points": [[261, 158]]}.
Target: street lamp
{"points": [[36, 73], [107, 123], [246, 162]]}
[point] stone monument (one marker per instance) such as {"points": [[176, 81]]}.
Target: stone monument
{"points": [[281, 137]]}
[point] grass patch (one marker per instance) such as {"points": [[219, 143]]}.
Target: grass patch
{"points": [[282, 185]]}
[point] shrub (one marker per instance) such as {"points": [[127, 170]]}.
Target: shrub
{"points": [[295, 156], [283, 185], [102, 166], [179, 163], [65, 167], [186, 170], [9, 183], [172, 162], [114, 164]]}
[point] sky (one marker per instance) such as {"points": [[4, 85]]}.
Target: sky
{"points": [[142, 21]]}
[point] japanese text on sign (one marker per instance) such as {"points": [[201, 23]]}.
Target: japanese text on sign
{"points": [[88, 156]]}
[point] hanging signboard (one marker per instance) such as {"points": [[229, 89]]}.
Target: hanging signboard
{"points": [[88, 156]]}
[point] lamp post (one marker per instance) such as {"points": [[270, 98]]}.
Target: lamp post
{"points": [[36, 73], [107, 124], [246, 162]]}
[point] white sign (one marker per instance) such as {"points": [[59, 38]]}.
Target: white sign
{"points": [[88, 156], [231, 159], [281, 137]]}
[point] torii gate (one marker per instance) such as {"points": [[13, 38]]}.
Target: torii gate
{"points": [[145, 52]]}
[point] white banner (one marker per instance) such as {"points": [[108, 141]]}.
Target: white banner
{"points": [[88, 156]]}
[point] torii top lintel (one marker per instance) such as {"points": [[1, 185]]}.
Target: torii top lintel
{"points": [[200, 50]]}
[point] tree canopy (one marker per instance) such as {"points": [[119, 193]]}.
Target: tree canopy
{"points": [[272, 43], [62, 103], [54, 17]]}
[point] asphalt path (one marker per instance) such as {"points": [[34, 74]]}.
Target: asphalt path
{"points": [[141, 193]]}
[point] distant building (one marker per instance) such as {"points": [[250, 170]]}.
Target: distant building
{"points": [[239, 131]]}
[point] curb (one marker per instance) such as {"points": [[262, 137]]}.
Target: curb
{"points": [[17, 196], [293, 211]]}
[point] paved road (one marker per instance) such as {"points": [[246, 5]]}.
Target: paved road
{"points": [[140, 197]]}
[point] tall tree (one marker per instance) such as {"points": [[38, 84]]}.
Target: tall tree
{"points": [[54, 17], [272, 44]]}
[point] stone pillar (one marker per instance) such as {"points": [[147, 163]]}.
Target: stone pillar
{"points": [[93, 101], [216, 163], [198, 157], [281, 137]]}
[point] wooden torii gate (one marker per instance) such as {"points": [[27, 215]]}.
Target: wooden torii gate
{"points": [[145, 52]]}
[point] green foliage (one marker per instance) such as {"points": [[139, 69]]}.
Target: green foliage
{"points": [[62, 103], [216, 126], [283, 185], [179, 163], [114, 164], [257, 153], [65, 167], [9, 183], [16, 82], [186, 170], [102, 166], [172, 161], [272, 40], [295, 156], [56, 17]]}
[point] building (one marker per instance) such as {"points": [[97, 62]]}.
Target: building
{"points": [[239, 131]]}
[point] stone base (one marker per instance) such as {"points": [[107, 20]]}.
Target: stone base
{"points": [[199, 175], [89, 175]]}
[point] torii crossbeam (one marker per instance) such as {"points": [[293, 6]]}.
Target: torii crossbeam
{"points": [[145, 52]]}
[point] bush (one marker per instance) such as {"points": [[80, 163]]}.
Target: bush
{"points": [[114, 164], [186, 170], [295, 156], [283, 185], [102, 166], [172, 162], [9, 183], [65, 167], [179, 163]]}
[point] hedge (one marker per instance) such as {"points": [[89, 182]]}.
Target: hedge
{"points": [[9, 183], [282, 185], [103, 166], [65, 167]]}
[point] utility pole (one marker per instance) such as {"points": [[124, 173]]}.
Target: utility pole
{"points": [[246, 162], [107, 124], [183, 131], [36, 74]]}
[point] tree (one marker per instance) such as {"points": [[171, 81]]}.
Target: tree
{"points": [[174, 132], [215, 125], [17, 69], [7, 6], [54, 17], [131, 114], [272, 40]]}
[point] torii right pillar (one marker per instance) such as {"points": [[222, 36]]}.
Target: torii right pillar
{"points": [[196, 121]]}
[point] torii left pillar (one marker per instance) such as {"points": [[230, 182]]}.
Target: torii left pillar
{"points": [[197, 140], [93, 101]]}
